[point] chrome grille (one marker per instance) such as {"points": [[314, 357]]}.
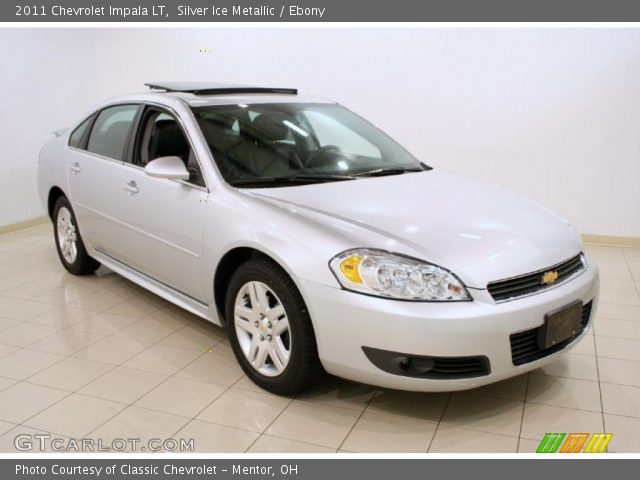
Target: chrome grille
{"points": [[532, 282]]}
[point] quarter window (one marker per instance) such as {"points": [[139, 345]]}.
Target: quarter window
{"points": [[111, 130]]}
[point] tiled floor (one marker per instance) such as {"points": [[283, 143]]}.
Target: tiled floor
{"points": [[99, 357]]}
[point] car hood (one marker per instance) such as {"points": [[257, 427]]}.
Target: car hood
{"points": [[479, 231]]}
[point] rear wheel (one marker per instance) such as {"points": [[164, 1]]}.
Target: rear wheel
{"points": [[270, 329], [71, 250]]}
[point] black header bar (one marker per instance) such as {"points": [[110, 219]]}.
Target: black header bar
{"points": [[224, 11]]}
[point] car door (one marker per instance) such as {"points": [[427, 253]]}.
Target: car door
{"points": [[161, 219], [96, 152]]}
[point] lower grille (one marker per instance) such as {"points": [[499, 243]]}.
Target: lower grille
{"points": [[436, 368], [533, 282], [525, 348], [459, 367]]}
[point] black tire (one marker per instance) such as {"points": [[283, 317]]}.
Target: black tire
{"points": [[304, 368], [83, 264]]}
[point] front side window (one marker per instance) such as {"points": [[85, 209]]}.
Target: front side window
{"points": [[270, 144], [160, 135], [111, 130]]}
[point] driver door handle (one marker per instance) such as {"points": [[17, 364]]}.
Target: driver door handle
{"points": [[131, 187]]}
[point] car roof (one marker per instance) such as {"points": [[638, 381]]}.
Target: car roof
{"points": [[212, 93]]}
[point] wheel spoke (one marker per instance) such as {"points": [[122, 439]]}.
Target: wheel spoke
{"points": [[280, 326], [279, 354], [276, 312], [253, 349], [253, 296], [67, 248], [261, 357], [244, 324], [246, 313], [261, 294], [62, 229]]}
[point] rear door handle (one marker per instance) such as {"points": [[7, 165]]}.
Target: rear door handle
{"points": [[75, 167], [131, 187]]}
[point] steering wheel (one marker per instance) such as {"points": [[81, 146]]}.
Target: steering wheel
{"points": [[324, 156], [279, 151], [292, 155]]}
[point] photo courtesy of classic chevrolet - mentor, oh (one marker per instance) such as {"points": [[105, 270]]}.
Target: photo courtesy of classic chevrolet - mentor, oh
{"points": [[317, 241]]}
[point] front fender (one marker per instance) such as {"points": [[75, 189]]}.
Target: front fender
{"points": [[301, 246]]}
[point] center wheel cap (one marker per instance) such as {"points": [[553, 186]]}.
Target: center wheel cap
{"points": [[264, 326]]}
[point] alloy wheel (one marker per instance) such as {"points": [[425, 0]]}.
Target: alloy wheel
{"points": [[262, 328], [66, 234]]}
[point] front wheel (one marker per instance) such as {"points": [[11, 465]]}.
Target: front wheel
{"points": [[270, 329], [71, 250]]}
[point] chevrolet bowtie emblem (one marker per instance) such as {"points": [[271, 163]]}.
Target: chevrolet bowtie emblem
{"points": [[549, 277]]}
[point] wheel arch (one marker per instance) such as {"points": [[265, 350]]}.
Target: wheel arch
{"points": [[55, 193], [228, 264]]}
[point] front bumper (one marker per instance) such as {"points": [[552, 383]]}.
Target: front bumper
{"points": [[345, 322]]}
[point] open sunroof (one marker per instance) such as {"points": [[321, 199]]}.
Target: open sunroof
{"points": [[205, 88]]}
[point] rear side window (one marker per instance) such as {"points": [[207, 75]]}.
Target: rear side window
{"points": [[75, 140], [111, 130]]}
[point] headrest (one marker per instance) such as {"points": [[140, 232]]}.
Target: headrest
{"points": [[271, 127], [168, 140]]}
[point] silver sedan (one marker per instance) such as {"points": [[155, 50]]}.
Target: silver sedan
{"points": [[317, 241]]}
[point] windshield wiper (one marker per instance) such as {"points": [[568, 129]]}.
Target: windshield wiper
{"points": [[293, 180], [380, 172]]}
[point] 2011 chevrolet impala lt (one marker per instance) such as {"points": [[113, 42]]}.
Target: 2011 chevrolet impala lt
{"points": [[319, 242]]}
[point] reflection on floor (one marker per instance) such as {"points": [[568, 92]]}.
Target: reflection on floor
{"points": [[99, 357]]}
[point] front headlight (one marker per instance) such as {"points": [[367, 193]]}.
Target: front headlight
{"points": [[384, 274]]}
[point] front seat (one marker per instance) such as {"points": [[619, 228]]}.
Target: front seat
{"points": [[167, 140], [264, 152]]}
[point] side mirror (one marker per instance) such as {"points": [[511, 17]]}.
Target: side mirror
{"points": [[167, 167]]}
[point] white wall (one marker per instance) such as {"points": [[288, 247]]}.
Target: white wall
{"points": [[47, 80], [551, 113]]}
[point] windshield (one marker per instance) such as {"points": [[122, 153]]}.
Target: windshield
{"points": [[293, 143]]}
